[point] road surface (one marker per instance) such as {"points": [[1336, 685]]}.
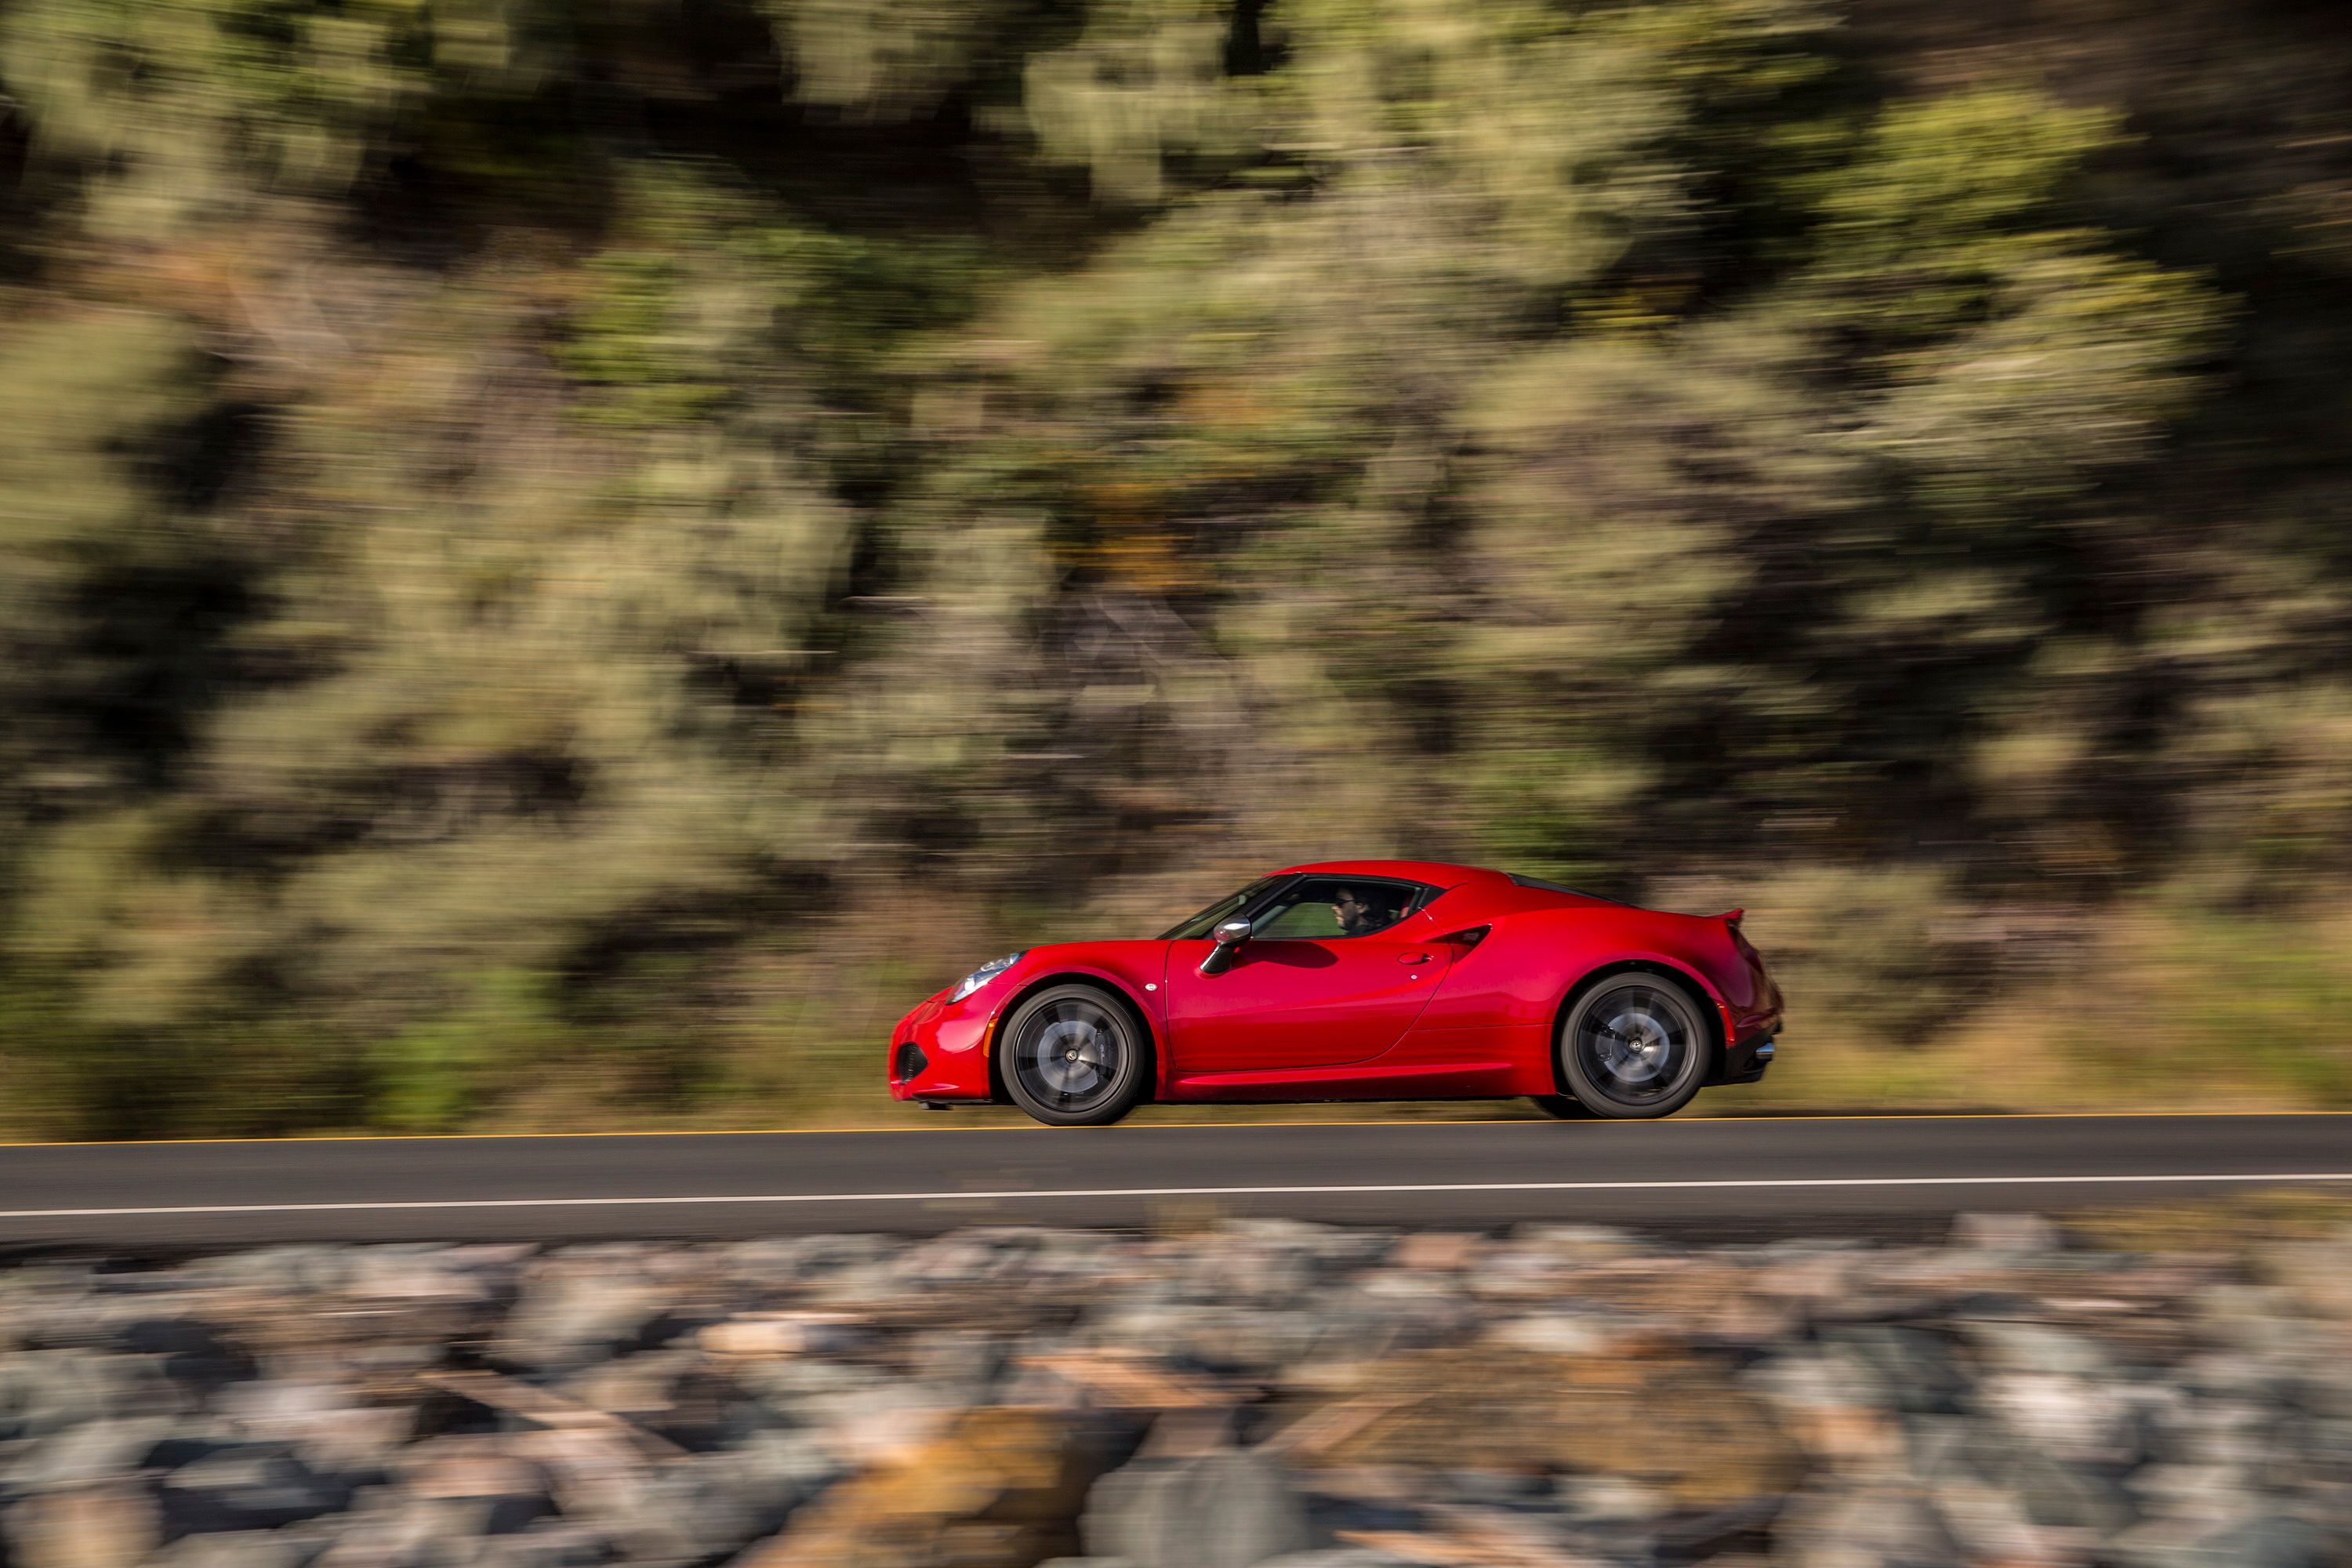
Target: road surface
{"points": [[1725, 1177]]}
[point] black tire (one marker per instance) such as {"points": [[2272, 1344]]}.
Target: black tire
{"points": [[1634, 1046], [1566, 1107], [1072, 1055]]}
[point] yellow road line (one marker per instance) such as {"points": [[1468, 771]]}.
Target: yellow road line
{"points": [[1165, 1126]]}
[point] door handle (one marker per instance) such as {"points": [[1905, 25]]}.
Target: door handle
{"points": [[1413, 958]]}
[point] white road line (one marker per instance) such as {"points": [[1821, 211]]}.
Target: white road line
{"points": [[1721, 1185]]}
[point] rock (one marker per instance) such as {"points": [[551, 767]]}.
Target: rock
{"points": [[1690, 1537], [676, 1393], [512, 1492], [260, 1487], [1448, 1249], [547, 1545], [46, 1393], [1991, 1526], [1580, 1243], [1554, 1333], [241, 1549], [997, 1488], [695, 1510], [1331, 1518], [308, 1269], [882, 1437], [763, 1334], [2189, 1488], [396, 1531], [2037, 1347], [569, 1318], [187, 1350], [1446, 1399], [2007, 1233], [330, 1425], [800, 1459], [2316, 1275], [2249, 1542], [1906, 1369], [1675, 1422], [2070, 1496], [97, 1451], [1228, 1510], [1872, 1527], [2070, 1418], [1610, 1498], [473, 1466], [106, 1525]]}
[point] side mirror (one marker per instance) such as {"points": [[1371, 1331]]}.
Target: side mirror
{"points": [[1229, 938]]}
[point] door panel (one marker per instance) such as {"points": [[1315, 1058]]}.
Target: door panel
{"points": [[1297, 1004]]}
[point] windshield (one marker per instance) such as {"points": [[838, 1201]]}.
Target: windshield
{"points": [[1232, 904]]}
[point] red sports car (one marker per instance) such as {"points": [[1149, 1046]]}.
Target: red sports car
{"points": [[1358, 980]]}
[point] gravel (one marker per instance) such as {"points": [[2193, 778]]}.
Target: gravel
{"points": [[1228, 1397]]}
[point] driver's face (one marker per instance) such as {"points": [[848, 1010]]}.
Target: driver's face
{"points": [[1350, 908]]}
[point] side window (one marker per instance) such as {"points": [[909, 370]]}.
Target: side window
{"points": [[1329, 908]]}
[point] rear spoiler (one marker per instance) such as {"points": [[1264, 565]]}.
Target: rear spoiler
{"points": [[1732, 918]]}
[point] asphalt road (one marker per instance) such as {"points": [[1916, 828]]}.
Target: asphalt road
{"points": [[1725, 1177]]}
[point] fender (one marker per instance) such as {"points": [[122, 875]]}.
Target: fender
{"points": [[1059, 965], [1522, 973], [1643, 958]]}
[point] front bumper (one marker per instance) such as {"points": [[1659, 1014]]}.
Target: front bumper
{"points": [[939, 1052]]}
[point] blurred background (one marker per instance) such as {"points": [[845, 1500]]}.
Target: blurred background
{"points": [[560, 564]]}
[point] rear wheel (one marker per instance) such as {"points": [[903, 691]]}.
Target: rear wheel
{"points": [[1072, 1057], [1633, 1045]]}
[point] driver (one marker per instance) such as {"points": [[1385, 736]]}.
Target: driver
{"points": [[1361, 911]]}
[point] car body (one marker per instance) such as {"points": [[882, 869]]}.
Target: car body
{"points": [[1464, 989]]}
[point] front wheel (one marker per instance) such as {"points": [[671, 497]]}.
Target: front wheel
{"points": [[1634, 1046], [1072, 1058]]}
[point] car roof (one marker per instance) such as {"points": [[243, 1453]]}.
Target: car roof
{"points": [[1437, 873], [1445, 877]]}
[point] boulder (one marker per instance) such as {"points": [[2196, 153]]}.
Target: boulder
{"points": [[97, 1451], [759, 1336], [188, 1350], [697, 1508], [548, 1545], [676, 1393], [2012, 1233], [2251, 1540], [1865, 1527], [1675, 1422], [1224, 1509], [241, 1549], [258, 1487], [570, 1316], [512, 1491], [997, 1488], [103, 1525]]}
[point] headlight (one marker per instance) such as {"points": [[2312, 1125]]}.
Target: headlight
{"points": [[983, 974]]}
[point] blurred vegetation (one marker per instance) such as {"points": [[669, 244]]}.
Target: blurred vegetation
{"points": [[561, 563]]}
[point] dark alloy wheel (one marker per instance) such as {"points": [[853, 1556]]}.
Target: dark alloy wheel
{"points": [[1634, 1046], [1072, 1057]]}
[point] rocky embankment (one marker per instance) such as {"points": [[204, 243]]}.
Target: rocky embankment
{"points": [[1251, 1393]]}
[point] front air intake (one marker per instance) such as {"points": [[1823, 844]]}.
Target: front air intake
{"points": [[908, 1063]]}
